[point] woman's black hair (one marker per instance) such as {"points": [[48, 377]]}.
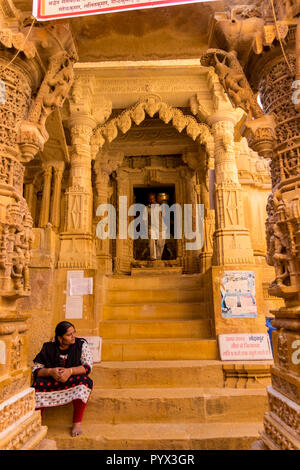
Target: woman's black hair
{"points": [[61, 329]]}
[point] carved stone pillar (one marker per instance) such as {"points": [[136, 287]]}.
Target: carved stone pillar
{"points": [[45, 206], [124, 244], [32, 90], [281, 422], [209, 227], [16, 397], [231, 238], [77, 249], [58, 168], [103, 193], [29, 196]]}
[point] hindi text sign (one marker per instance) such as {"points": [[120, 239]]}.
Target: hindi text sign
{"points": [[54, 9], [245, 346]]}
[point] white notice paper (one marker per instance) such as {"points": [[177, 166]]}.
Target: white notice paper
{"points": [[74, 303], [74, 306], [81, 286]]}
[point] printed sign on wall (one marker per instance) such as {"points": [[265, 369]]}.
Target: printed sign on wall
{"points": [[238, 294], [53, 9], [245, 346]]}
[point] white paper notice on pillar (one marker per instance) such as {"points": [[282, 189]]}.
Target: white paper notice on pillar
{"points": [[95, 344], [238, 294], [2, 352], [245, 347], [80, 286], [74, 303]]}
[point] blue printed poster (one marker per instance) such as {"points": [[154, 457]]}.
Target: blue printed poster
{"points": [[238, 294]]}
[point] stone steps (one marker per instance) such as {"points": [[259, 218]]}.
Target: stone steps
{"points": [[137, 329], [160, 385], [158, 349], [184, 281], [160, 436], [136, 374], [167, 405], [153, 296], [154, 310]]}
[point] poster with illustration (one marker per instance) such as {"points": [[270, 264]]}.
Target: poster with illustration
{"points": [[238, 294]]}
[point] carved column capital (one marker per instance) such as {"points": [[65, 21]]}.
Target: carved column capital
{"points": [[82, 100], [58, 168]]}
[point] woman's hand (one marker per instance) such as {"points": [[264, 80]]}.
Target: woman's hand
{"points": [[65, 375], [56, 373]]}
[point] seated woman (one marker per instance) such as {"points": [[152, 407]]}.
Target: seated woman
{"points": [[61, 371]]}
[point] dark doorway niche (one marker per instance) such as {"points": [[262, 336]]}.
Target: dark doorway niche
{"points": [[141, 246]]}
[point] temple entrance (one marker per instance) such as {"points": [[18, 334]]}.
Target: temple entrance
{"points": [[167, 176], [141, 247]]}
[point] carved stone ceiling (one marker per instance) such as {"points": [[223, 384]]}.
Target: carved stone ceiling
{"points": [[168, 33]]}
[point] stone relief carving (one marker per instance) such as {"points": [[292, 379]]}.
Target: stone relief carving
{"points": [[276, 435], [233, 79], [15, 246], [25, 432], [259, 127], [282, 348], [281, 227], [14, 411], [284, 411]]}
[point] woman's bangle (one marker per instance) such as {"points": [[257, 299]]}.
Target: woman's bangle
{"points": [[71, 371]]}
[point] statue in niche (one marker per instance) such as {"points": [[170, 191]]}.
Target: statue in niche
{"points": [[158, 248], [156, 245]]}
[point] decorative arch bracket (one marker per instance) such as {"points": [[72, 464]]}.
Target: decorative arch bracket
{"points": [[151, 105]]}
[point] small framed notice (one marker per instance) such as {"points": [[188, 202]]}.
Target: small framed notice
{"points": [[245, 347], [238, 295]]}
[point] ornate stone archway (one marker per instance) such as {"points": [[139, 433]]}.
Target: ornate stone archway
{"points": [[106, 162], [151, 105]]}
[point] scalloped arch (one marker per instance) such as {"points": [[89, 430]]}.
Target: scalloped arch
{"points": [[152, 105]]}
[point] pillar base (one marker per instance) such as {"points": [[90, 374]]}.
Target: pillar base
{"points": [[21, 427], [77, 251]]}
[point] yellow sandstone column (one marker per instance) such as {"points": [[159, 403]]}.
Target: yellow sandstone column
{"points": [[232, 238], [58, 168], [281, 422], [77, 247], [32, 90], [45, 206], [20, 425]]}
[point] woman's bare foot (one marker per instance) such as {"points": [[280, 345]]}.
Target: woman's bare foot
{"points": [[76, 429]]}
